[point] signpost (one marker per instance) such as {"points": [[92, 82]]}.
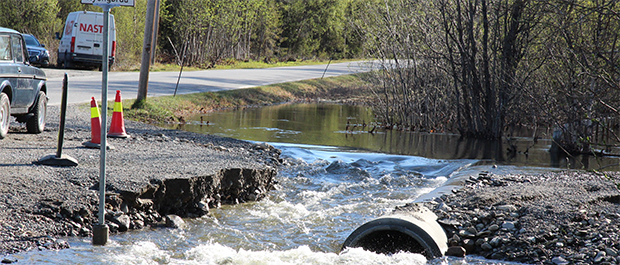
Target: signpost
{"points": [[110, 3], [101, 230]]}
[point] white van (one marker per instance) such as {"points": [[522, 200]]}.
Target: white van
{"points": [[81, 42]]}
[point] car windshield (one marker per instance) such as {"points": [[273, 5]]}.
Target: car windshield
{"points": [[31, 41]]}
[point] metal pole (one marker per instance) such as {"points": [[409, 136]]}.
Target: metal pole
{"points": [[181, 71], [104, 112], [63, 113], [330, 60], [100, 231], [143, 84], [59, 159]]}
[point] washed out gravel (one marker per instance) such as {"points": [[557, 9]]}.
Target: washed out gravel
{"points": [[30, 194], [553, 218]]}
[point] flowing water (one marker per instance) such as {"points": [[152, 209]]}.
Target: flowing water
{"points": [[336, 178]]}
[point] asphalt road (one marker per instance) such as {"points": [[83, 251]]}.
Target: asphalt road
{"points": [[86, 84]]}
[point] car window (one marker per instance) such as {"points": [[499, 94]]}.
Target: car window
{"points": [[18, 49], [5, 48], [31, 41]]}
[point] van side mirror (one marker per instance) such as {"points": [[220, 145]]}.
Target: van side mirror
{"points": [[57, 36], [42, 45]]}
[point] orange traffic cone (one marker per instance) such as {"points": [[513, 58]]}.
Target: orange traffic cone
{"points": [[117, 127], [95, 124]]}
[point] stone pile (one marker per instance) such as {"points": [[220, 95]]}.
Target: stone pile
{"points": [[555, 218]]}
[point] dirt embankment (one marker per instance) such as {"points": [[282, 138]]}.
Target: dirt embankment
{"points": [[153, 173]]}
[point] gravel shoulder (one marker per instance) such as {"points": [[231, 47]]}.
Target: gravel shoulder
{"points": [[553, 218], [29, 191]]}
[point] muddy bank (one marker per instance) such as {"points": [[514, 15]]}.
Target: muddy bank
{"points": [[553, 218], [154, 173]]}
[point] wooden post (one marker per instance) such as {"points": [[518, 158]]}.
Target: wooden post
{"points": [[146, 51], [155, 30]]}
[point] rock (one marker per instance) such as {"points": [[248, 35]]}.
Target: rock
{"points": [[113, 227], [559, 261], [507, 208], [581, 233], [123, 221], [85, 231], [599, 257], [444, 207], [174, 221], [137, 224], [508, 225], [466, 234], [486, 246], [449, 222], [456, 251], [9, 260], [470, 245], [455, 240], [124, 208], [483, 233], [496, 241], [579, 256], [203, 206], [611, 252], [493, 227]]}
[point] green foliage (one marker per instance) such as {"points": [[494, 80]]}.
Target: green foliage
{"points": [[314, 28], [214, 31], [37, 17], [40, 14], [130, 33]]}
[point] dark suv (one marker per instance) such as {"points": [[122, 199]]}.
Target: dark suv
{"points": [[38, 54], [22, 86]]}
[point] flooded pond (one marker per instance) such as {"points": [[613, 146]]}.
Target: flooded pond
{"points": [[351, 126], [338, 175]]}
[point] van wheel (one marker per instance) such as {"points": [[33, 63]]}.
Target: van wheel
{"points": [[36, 123], [5, 114]]}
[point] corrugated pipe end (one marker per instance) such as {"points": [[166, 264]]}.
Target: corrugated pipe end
{"points": [[415, 231]]}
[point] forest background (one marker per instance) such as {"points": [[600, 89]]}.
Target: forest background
{"points": [[475, 67]]}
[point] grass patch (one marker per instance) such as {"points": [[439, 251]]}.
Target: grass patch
{"points": [[261, 64], [232, 64], [166, 109]]}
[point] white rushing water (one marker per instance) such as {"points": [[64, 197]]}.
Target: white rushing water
{"points": [[323, 194]]}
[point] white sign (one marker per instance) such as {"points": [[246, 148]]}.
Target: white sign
{"points": [[110, 2]]}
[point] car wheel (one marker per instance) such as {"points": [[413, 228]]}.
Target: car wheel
{"points": [[36, 123], [5, 114]]}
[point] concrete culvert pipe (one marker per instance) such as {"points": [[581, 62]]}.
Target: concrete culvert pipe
{"points": [[412, 230]]}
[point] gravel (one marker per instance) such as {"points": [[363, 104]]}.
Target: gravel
{"points": [[553, 218], [31, 194]]}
